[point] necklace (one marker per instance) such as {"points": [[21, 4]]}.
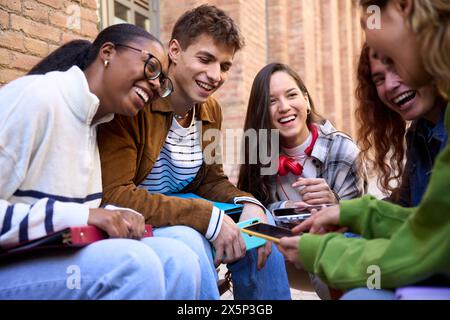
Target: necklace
{"points": [[178, 117]]}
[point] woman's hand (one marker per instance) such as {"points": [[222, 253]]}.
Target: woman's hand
{"points": [[288, 246], [118, 223], [315, 191], [323, 221], [136, 221]]}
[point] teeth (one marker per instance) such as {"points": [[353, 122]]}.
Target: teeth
{"points": [[404, 96], [144, 96], [205, 86], [287, 119]]}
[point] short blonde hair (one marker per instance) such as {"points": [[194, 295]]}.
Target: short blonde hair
{"points": [[430, 20]]}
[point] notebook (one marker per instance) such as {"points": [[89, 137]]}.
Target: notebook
{"points": [[234, 210]]}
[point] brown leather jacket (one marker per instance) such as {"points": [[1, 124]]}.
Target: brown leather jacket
{"points": [[129, 147]]}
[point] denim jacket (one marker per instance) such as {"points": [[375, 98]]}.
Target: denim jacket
{"points": [[424, 142]]}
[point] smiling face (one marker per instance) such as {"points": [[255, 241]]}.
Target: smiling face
{"points": [[200, 69], [410, 104], [288, 109], [125, 88], [397, 41]]}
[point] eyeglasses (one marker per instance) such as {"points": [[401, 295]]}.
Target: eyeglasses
{"points": [[153, 70]]}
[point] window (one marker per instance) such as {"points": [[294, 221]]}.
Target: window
{"points": [[143, 13]]}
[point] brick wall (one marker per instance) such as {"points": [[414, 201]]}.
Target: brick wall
{"points": [[321, 41], [30, 30]]}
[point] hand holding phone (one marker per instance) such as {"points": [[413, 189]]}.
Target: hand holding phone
{"points": [[250, 242], [267, 231]]}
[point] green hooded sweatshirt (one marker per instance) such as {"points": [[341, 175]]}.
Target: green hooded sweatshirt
{"points": [[406, 245]]}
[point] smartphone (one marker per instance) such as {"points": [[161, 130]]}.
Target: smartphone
{"points": [[267, 231], [297, 211], [251, 242], [301, 214], [289, 217]]}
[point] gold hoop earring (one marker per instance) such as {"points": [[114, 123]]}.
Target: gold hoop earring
{"points": [[308, 111], [106, 63]]}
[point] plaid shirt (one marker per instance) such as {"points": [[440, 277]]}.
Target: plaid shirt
{"points": [[334, 155]]}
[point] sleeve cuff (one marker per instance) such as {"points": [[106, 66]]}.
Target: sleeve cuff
{"points": [[283, 204], [113, 207], [70, 215], [239, 200], [215, 223]]}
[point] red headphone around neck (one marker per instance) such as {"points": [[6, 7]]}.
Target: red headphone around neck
{"points": [[287, 164]]}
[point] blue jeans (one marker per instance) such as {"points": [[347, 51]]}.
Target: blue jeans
{"points": [[154, 268], [368, 294], [271, 282], [203, 254]]}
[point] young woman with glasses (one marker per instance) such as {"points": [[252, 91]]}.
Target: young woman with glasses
{"points": [[51, 174]]}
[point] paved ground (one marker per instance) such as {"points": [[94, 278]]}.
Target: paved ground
{"points": [[296, 294]]}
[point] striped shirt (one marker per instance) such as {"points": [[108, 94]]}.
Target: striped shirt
{"points": [[178, 164], [179, 161]]}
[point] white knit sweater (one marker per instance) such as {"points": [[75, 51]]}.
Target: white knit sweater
{"points": [[49, 159]]}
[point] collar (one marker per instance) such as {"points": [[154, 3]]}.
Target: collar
{"points": [[326, 133], [202, 110], [437, 131], [306, 148], [81, 101], [298, 151]]}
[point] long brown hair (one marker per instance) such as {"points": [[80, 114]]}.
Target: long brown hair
{"points": [[258, 117], [381, 131]]}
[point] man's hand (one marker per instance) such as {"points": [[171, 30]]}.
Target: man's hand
{"points": [[229, 244], [315, 191], [252, 211]]}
